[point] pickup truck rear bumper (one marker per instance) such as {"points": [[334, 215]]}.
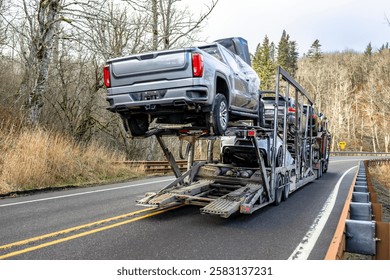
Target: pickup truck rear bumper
{"points": [[161, 101]]}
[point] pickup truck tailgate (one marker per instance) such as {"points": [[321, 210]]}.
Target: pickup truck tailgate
{"points": [[156, 66]]}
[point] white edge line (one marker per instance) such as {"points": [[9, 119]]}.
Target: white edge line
{"points": [[303, 250], [83, 193]]}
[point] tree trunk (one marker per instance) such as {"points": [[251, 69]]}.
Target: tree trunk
{"points": [[47, 14], [155, 24]]}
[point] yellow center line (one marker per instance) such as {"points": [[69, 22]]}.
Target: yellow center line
{"points": [[84, 233], [41, 237]]}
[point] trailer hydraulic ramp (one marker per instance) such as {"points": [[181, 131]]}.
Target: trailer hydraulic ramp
{"points": [[220, 188], [233, 202], [176, 195]]}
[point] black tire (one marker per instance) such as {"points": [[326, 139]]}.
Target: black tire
{"points": [[286, 189], [138, 125], [220, 114], [279, 158], [187, 150], [278, 190], [320, 170], [325, 167]]}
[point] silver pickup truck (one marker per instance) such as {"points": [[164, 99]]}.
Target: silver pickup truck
{"points": [[203, 87]]}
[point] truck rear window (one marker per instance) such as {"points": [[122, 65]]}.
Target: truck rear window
{"points": [[213, 51]]}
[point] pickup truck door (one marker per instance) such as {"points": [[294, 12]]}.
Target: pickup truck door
{"points": [[238, 81]]}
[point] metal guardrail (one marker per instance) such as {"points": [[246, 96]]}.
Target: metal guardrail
{"points": [[357, 153], [360, 229], [376, 162], [157, 167], [163, 167]]}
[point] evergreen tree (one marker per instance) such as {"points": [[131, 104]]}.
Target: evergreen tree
{"points": [[368, 50], [315, 53], [272, 49], [267, 73], [256, 59], [287, 54], [264, 65], [292, 58], [283, 50], [382, 48]]}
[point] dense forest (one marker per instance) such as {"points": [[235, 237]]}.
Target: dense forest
{"points": [[53, 51], [352, 89]]}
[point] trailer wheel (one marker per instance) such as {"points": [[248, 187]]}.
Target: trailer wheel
{"points": [[187, 150], [286, 189], [319, 171], [138, 125], [220, 114], [279, 158], [325, 167], [278, 190]]}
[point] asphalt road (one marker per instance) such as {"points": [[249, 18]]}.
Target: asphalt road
{"points": [[101, 223]]}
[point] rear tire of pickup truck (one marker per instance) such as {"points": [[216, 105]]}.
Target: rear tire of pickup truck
{"points": [[138, 125], [220, 115]]}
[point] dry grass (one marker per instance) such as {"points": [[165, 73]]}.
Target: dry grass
{"points": [[381, 174], [35, 158]]}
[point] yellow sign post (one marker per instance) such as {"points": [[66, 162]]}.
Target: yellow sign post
{"points": [[342, 145]]}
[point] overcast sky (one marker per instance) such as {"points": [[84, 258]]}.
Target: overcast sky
{"points": [[338, 24]]}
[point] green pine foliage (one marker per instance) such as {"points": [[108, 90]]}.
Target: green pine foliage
{"points": [[268, 57], [293, 54], [283, 51], [384, 47], [264, 64], [315, 53], [288, 54], [368, 50]]}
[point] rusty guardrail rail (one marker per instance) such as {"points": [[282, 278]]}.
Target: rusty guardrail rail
{"points": [[157, 167], [357, 153], [360, 229], [378, 162], [163, 167]]}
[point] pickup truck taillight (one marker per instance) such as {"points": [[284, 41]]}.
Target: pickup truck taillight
{"points": [[106, 76], [197, 65]]}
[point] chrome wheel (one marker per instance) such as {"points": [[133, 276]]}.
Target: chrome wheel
{"points": [[220, 114], [223, 115]]}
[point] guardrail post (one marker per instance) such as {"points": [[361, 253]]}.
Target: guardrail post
{"points": [[360, 197], [383, 247], [360, 237], [360, 211], [360, 229]]}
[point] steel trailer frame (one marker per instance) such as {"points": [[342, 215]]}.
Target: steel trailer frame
{"points": [[223, 189]]}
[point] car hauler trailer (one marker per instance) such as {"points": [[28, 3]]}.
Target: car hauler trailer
{"points": [[258, 165]]}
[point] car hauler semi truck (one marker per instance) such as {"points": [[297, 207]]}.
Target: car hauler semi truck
{"points": [[258, 164]]}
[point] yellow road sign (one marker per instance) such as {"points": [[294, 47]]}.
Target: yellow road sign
{"points": [[342, 145]]}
